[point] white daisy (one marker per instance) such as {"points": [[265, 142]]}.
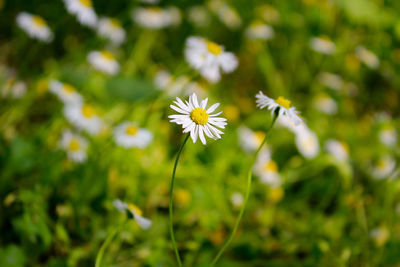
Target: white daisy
{"points": [[172, 85], [74, 145], [198, 120], [237, 200], [155, 17], [104, 61], [14, 88], [249, 140], [259, 31], [84, 117], [307, 143], [128, 134], [226, 14], [323, 45], [325, 104], [384, 167], [333, 81], [84, 11], [133, 212], [111, 29], [339, 150], [209, 58], [199, 16], [35, 26], [281, 103], [267, 169], [367, 57], [388, 136], [65, 92]]}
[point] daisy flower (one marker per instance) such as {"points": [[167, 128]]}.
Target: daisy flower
{"points": [[249, 140], [155, 17], [14, 89], [35, 26], [307, 143], [237, 200], [84, 117], [325, 104], [281, 103], [111, 29], [199, 16], [133, 212], [259, 31], [83, 9], [388, 136], [384, 167], [198, 120], [65, 92], [267, 169], [104, 61], [323, 45], [339, 150], [367, 57], [333, 81], [128, 134], [209, 58], [74, 145]]}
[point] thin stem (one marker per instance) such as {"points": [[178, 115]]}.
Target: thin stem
{"points": [[103, 247], [246, 197], [171, 192]]}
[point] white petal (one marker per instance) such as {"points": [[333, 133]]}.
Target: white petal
{"points": [[212, 108], [143, 222]]}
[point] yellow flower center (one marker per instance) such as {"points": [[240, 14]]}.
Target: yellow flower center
{"points": [[73, 145], [271, 166], [259, 137], [88, 111], [86, 3], [135, 209], [69, 88], [283, 102], [131, 130], [39, 21], [199, 116], [107, 55], [115, 23], [214, 48]]}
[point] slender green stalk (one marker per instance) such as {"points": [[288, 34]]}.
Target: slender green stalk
{"points": [[246, 197], [171, 193], [108, 240]]}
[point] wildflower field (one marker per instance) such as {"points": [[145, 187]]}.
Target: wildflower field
{"points": [[199, 133]]}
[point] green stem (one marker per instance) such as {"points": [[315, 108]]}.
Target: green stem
{"points": [[108, 240], [171, 192], [246, 197]]}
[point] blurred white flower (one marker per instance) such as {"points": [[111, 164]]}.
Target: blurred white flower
{"points": [[339, 150], [65, 92], [281, 103], [209, 58], [226, 14], [104, 61], [75, 146], [384, 167], [198, 120], [259, 31], [237, 200], [380, 235], [111, 29], [134, 211], [249, 140], [83, 10], [156, 18], [83, 117], [323, 45], [150, 1], [267, 169], [388, 136], [199, 16], [367, 57], [35, 26], [128, 134], [325, 104], [13, 88], [307, 143], [333, 81]]}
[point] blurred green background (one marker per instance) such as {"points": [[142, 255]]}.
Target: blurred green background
{"points": [[326, 211]]}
